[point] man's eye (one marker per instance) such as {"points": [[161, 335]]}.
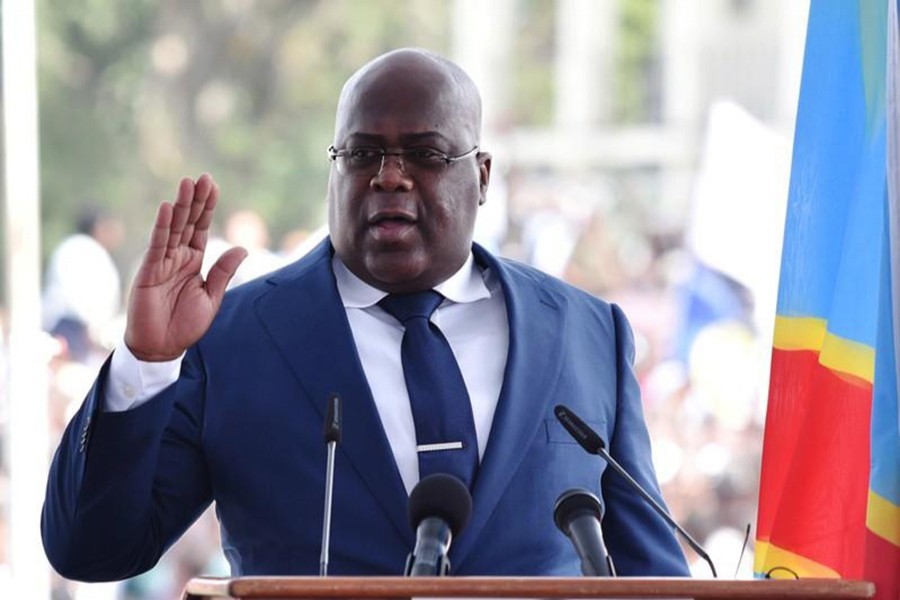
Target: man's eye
{"points": [[425, 155], [363, 154]]}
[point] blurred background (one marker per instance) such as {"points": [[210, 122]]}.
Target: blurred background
{"points": [[641, 151]]}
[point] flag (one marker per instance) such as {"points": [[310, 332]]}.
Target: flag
{"points": [[829, 503]]}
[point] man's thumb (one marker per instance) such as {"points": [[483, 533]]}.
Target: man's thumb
{"points": [[223, 270]]}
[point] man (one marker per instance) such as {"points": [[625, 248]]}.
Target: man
{"points": [[82, 296], [242, 425]]}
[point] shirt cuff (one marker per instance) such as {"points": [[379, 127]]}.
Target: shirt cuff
{"points": [[133, 382]]}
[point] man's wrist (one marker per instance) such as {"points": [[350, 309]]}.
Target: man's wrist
{"points": [[133, 381]]}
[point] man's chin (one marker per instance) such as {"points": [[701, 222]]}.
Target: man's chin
{"points": [[398, 272]]}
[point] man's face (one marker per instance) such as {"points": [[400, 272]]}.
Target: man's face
{"points": [[406, 230]]}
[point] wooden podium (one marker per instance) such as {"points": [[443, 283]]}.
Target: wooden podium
{"points": [[404, 588]]}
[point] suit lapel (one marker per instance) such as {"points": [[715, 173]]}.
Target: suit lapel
{"points": [[532, 368], [305, 317]]}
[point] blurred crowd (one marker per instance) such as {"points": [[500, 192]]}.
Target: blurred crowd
{"points": [[701, 355], [700, 358]]}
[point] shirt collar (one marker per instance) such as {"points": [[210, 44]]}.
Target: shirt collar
{"points": [[466, 285]]}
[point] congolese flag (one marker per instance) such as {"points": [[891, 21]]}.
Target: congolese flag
{"points": [[829, 502]]}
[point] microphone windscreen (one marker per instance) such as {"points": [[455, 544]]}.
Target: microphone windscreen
{"points": [[575, 503], [333, 419], [444, 496], [579, 430]]}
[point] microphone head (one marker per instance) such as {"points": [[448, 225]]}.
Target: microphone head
{"points": [[443, 496], [575, 503], [586, 437], [333, 419]]}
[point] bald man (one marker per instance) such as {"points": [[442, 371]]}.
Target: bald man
{"points": [[220, 397]]}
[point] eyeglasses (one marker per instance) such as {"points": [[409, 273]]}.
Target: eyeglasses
{"points": [[369, 161]]}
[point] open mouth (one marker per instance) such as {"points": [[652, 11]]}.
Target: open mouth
{"points": [[393, 225]]}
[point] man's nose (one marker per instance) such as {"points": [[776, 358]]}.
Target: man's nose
{"points": [[392, 174], [396, 156]]}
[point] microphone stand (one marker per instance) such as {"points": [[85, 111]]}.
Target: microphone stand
{"points": [[602, 453], [592, 443], [326, 521], [332, 436]]}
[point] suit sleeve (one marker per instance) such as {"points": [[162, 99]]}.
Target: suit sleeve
{"points": [[639, 541], [123, 486]]}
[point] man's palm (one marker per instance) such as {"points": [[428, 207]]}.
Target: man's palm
{"points": [[170, 306]]}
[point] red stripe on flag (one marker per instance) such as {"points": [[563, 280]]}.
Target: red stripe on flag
{"points": [[883, 567], [815, 465]]}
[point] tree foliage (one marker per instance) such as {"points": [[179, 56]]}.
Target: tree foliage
{"points": [[136, 94]]}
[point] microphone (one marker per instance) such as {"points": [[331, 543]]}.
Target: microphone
{"points": [[333, 420], [577, 514], [594, 444], [439, 508]]}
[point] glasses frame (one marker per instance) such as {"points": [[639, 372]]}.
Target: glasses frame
{"points": [[334, 154]]}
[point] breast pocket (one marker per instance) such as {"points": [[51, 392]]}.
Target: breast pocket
{"points": [[555, 433], [553, 464]]}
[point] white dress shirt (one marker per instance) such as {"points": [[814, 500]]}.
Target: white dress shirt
{"points": [[472, 318]]}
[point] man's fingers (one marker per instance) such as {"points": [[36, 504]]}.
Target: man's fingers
{"points": [[201, 229], [159, 235], [222, 271], [203, 187], [204, 190], [181, 211]]}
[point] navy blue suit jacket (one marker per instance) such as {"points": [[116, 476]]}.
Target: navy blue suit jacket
{"points": [[243, 426]]}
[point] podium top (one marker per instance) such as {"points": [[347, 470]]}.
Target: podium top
{"points": [[404, 588]]}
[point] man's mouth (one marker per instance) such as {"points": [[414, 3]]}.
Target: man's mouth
{"points": [[391, 218], [391, 226]]}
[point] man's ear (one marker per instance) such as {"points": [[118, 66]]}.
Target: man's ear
{"points": [[484, 175]]}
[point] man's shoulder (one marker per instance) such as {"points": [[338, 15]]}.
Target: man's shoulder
{"points": [[310, 272]]}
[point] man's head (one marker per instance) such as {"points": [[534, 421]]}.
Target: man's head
{"points": [[405, 224], [107, 229]]}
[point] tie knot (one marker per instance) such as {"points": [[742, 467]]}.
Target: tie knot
{"points": [[404, 307]]}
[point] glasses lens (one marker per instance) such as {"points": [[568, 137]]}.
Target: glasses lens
{"points": [[359, 160], [364, 160], [425, 158]]}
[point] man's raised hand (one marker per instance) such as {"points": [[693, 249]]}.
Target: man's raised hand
{"points": [[170, 306]]}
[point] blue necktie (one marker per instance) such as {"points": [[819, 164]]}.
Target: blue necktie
{"points": [[445, 429]]}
